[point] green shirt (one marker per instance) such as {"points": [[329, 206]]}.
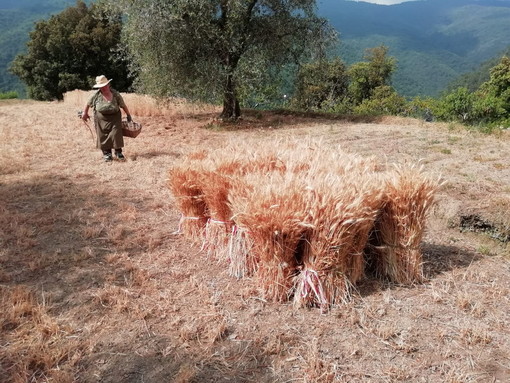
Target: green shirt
{"points": [[103, 106]]}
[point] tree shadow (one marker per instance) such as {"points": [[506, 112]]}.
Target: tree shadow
{"points": [[284, 118], [60, 236], [55, 233]]}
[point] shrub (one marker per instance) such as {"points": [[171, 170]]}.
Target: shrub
{"points": [[8, 95], [456, 106], [384, 101], [321, 85], [423, 108]]}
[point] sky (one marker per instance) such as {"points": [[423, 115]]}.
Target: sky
{"points": [[384, 2]]}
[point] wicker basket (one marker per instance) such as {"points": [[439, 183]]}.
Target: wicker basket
{"points": [[131, 129]]}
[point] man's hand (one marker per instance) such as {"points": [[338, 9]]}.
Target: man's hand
{"points": [[85, 116]]}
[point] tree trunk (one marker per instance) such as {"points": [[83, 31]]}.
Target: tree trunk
{"points": [[231, 109]]}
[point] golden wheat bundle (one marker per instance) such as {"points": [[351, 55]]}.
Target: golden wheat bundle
{"points": [[219, 168], [242, 257], [272, 210], [312, 158], [302, 156], [240, 158], [222, 237], [265, 163], [189, 196], [195, 158], [342, 213], [394, 247], [242, 260], [230, 166], [216, 186], [338, 162]]}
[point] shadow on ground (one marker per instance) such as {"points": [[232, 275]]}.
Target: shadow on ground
{"points": [[437, 259], [57, 237], [50, 227]]}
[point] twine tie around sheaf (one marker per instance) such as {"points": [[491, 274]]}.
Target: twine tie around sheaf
{"points": [[181, 222], [207, 240], [312, 283]]}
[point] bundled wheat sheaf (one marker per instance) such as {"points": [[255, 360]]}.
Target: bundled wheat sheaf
{"points": [[307, 221]]}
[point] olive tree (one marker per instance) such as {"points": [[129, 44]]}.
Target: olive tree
{"points": [[208, 50]]}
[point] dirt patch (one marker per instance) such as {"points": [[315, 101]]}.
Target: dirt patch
{"points": [[102, 285]]}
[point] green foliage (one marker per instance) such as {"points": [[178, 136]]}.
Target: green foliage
{"points": [[383, 101], [488, 106], [218, 49], [17, 18], [474, 79], [499, 84], [367, 93], [8, 95], [66, 51], [321, 84], [455, 106], [368, 75], [361, 88], [434, 41], [420, 107]]}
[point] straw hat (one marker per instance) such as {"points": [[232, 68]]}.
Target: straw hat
{"points": [[101, 81]]}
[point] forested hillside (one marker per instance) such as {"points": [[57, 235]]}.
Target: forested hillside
{"points": [[17, 18], [434, 41], [474, 79]]}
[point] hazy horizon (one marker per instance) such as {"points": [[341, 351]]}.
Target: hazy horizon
{"points": [[384, 2]]}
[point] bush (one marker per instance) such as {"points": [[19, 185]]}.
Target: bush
{"points": [[384, 101], [456, 106], [321, 85], [8, 95], [422, 108], [488, 108]]}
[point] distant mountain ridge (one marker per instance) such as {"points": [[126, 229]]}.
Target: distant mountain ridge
{"points": [[434, 41]]}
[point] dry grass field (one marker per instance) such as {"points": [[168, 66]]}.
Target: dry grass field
{"points": [[97, 286]]}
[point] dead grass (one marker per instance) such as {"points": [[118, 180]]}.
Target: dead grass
{"points": [[94, 285], [35, 347], [145, 106]]}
